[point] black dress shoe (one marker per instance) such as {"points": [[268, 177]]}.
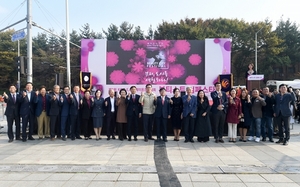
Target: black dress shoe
{"points": [[285, 142], [279, 141], [221, 140], [165, 140], [73, 139], [24, 140], [192, 140], [186, 141], [157, 140], [90, 138], [129, 139], [264, 139], [151, 138], [146, 139], [78, 137], [108, 138], [113, 138], [271, 140], [121, 139], [18, 138], [64, 139], [10, 140], [217, 141], [31, 138], [135, 139]]}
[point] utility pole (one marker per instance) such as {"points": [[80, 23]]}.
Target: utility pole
{"points": [[19, 76], [29, 42], [68, 46]]}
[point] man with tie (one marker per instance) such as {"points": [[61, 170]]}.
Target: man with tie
{"points": [[133, 112], [282, 113], [75, 98], [111, 110], [12, 113], [27, 109], [189, 114], [162, 114], [64, 102], [218, 110], [54, 113]]}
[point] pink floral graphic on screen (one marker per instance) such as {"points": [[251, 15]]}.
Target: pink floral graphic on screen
{"points": [[182, 46], [112, 59], [164, 44], [141, 52], [127, 45], [138, 67], [176, 71], [191, 80], [132, 78], [117, 76], [91, 45], [195, 59], [171, 58], [154, 61]]}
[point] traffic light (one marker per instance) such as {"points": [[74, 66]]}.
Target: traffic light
{"points": [[21, 62]]}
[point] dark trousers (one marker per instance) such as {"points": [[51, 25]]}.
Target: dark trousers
{"points": [[29, 118], [266, 123], [10, 121], [283, 123], [111, 125], [53, 125], [188, 126], [75, 126], [132, 125], [148, 125], [87, 127], [63, 126], [218, 121], [122, 130], [161, 126]]}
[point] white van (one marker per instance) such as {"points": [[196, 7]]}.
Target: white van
{"points": [[274, 84]]}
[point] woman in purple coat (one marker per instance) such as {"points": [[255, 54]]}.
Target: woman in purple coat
{"points": [[234, 112]]}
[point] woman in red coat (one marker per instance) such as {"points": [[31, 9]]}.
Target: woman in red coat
{"points": [[234, 112]]}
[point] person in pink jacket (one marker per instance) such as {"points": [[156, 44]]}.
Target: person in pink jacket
{"points": [[234, 112]]}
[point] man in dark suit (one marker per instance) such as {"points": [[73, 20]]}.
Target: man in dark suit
{"points": [[283, 101], [162, 114], [54, 113], [218, 110], [133, 112], [27, 109], [75, 98], [189, 114], [12, 101], [268, 111], [65, 107], [111, 113]]}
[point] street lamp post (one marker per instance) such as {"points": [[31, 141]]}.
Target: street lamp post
{"points": [[256, 49]]}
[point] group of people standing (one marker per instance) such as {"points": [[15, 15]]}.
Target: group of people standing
{"points": [[62, 115]]}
